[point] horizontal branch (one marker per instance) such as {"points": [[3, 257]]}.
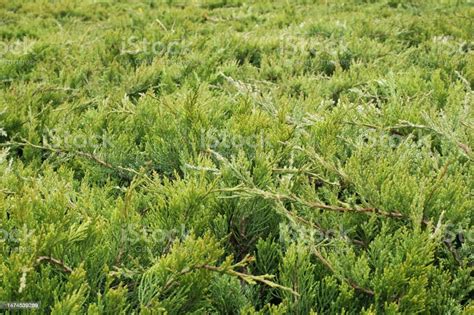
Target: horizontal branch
{"points": [[122, 170], [265, 279], [408, 125], [243, 191], [230, 270]]}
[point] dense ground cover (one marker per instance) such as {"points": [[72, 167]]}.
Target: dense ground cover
{"points": [[216, 156]]}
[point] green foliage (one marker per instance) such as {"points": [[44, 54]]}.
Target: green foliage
{"points": [[237, 157], [157, 289]]}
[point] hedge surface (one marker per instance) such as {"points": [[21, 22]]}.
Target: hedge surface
{"points": [[237, 157]]}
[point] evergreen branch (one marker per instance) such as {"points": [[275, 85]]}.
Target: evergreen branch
{"points": [[292, 216], [453, 252], [276, 170], [323, 260], [120, 169], [305, 171], [251, 279], [54, 261], [351, 282], [317, 158], [407, 125], [6, 191], [222, 159], [230, 270], [463, 79], [447, 243], [443, 172], [201, 168], [244, 191], [125, 215], [161, 24]]}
